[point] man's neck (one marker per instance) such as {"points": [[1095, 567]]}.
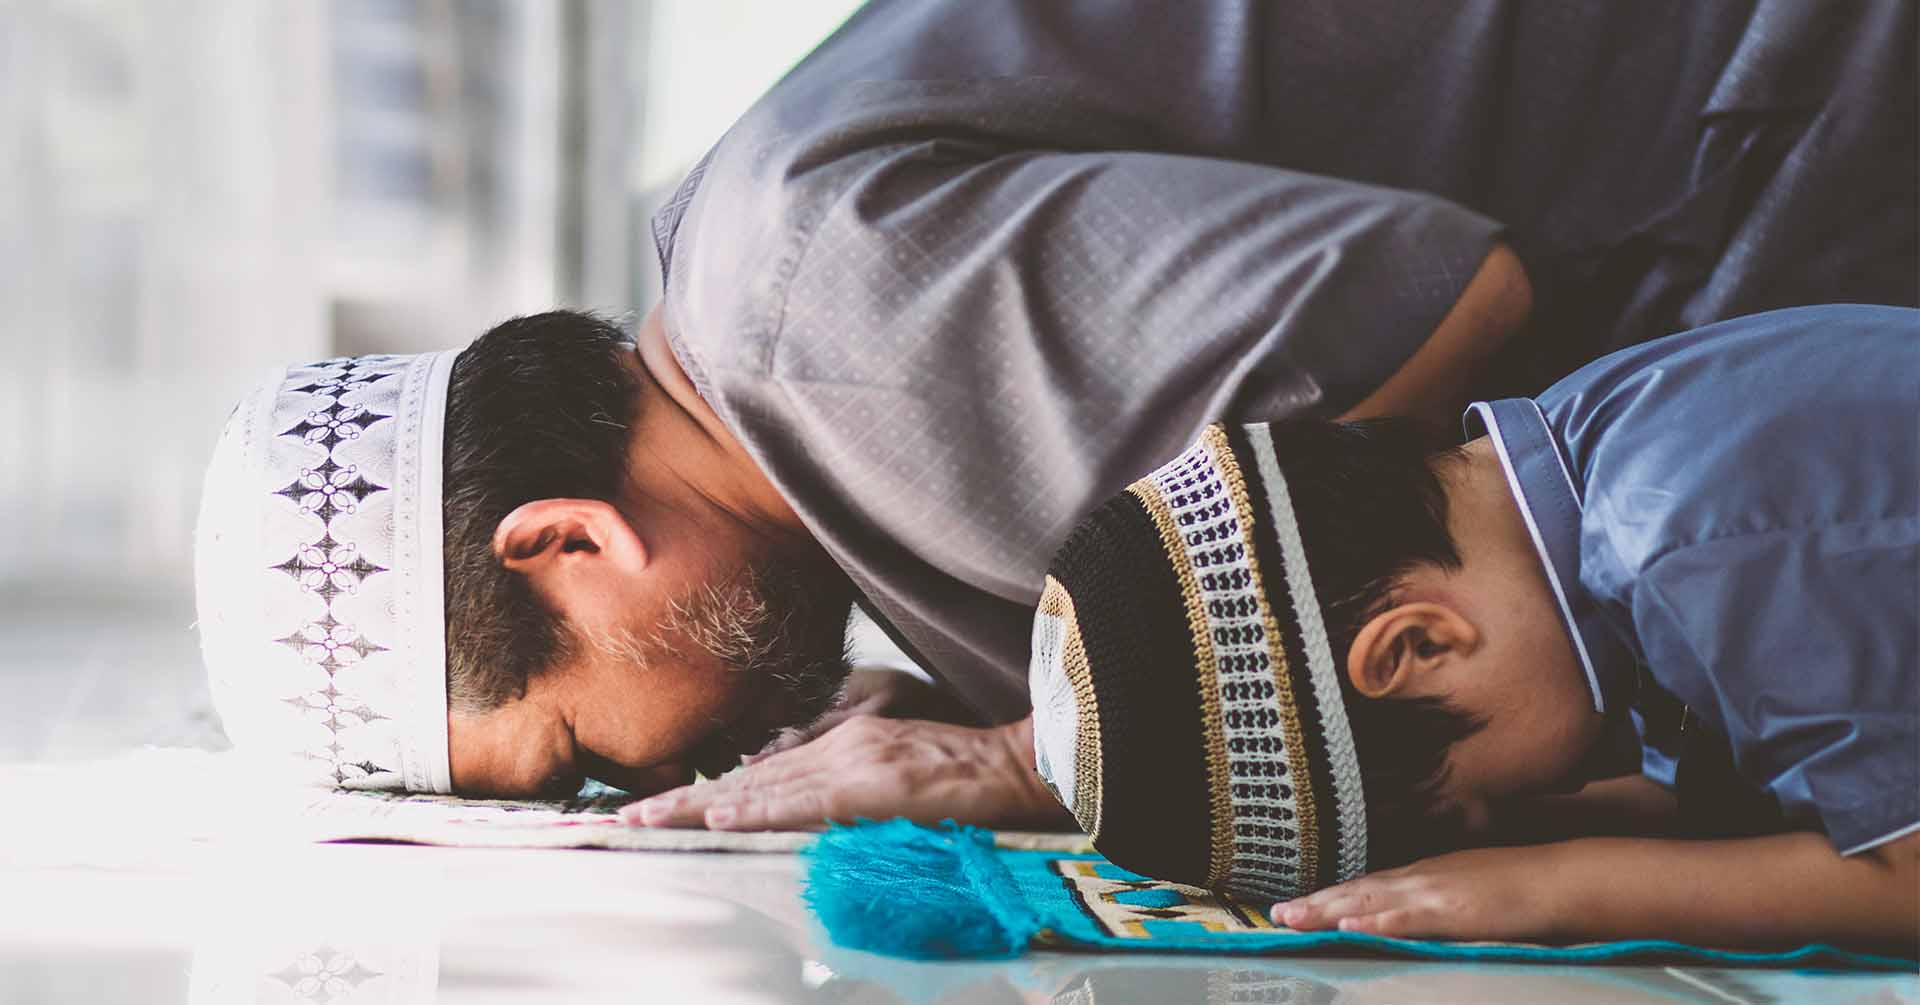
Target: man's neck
{"points": [[682, 454]]}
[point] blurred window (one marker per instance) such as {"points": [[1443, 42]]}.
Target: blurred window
{"points": [[194, 191]]}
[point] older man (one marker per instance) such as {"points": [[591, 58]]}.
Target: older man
{"points": [[972, 267]]}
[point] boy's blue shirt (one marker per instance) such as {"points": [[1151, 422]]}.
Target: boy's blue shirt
{"points": [[1737, 510]]}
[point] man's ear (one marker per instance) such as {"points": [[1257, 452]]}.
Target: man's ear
{"points": [[1400, 644], [550, 538]]}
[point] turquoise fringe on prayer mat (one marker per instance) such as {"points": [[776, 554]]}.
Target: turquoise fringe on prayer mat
{"points": [[905, 890]]}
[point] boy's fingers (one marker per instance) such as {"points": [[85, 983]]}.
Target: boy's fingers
{"points": [[1293, 913], [1398, 923], [1300, 914], [1329, 906]]}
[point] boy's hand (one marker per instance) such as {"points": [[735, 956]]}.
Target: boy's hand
{"points": [[1485, 893], [1772, 892]]}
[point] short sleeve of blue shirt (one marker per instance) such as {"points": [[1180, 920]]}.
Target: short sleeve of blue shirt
{"points": [[1749, 530]]}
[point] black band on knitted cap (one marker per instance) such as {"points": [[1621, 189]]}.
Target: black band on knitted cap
{"points": [[1140, 655]]}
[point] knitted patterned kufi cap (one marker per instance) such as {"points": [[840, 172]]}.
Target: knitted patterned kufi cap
{"points": [[1186, 704]]}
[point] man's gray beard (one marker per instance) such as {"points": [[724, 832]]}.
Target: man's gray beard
{"points": [[783, 624]]}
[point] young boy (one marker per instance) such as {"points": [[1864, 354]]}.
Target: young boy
{"points": [[1302, 654]]}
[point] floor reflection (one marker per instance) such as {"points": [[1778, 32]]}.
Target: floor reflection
{"points": [[399, 925], [403, 926], [1078, 979]]}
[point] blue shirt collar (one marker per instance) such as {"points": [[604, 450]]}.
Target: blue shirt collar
{"points": [[1550, 503]]}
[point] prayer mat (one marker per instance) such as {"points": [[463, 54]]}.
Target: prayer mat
{"points": [[159, 807], [905, 890], [589, 820]]}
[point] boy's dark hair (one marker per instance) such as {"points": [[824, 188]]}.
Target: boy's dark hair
{"points": [[1371, 507], [537, 408]]}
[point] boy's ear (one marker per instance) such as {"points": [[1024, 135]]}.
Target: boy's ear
{"points": [[1397, 647]]}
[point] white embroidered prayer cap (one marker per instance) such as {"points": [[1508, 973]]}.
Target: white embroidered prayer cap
{"points": [[319, 573]]}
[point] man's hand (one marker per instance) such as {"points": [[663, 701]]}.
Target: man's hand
{"points": [[892, 694], [1486, 893], [1773, 892], [871, 767]]}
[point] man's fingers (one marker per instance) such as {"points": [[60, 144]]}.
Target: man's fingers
{"points": [[873, 705], [687, 806], [681, 807], [785, 741], [792, 807], [863, 766]]}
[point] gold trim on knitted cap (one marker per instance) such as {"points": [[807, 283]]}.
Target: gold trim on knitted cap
{"points": [[1220, 793], [1306, 813], [1056, 602]]}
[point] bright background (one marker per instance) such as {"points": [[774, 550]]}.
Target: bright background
{"points": [[193, 190]]}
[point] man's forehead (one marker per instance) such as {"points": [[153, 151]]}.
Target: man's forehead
{"points": [[519, 748]]}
